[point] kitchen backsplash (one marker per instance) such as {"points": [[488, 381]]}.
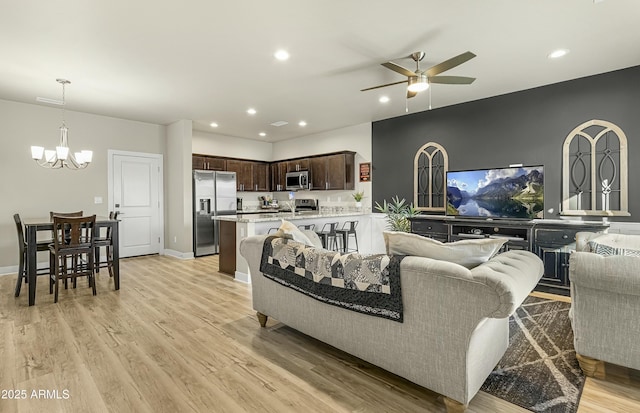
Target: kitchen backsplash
{"points": [[344, 199]]}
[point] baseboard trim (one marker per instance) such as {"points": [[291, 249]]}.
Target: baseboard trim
{"points": [[178, 254], [242, 277], [13, 269], [9, 270]]}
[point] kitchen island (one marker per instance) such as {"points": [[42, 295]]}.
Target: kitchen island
{"points": [[256, 224]]}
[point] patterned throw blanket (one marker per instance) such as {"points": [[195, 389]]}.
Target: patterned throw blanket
{"points": [[367, 284]]}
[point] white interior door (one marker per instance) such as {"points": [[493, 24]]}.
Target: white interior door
{"points": [[136, 193]]}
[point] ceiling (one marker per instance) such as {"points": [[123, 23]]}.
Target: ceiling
{"points": [[208, 61]]}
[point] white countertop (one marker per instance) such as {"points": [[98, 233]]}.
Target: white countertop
{"points": [[271, 217]]}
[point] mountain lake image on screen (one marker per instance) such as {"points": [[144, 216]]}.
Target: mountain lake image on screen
{"points": [[507, 193]]}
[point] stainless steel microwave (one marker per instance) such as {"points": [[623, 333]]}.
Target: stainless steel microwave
{"points": [[297, 180]]}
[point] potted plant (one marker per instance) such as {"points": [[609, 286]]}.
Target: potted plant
{"points": [[358, 198], [398, 213]]}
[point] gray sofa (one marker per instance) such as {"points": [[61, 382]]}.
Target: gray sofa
{"points": [[605, 302], [455, 327]]}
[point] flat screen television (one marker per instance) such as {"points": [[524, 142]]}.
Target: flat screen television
{"points": [[501, 193]]}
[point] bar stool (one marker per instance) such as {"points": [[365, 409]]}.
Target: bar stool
{"points": [[328, 234], [309, 227], [348, 229], [272, 230]]}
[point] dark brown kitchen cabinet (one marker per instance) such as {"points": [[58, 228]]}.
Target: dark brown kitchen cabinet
{"points": [[278, 176], [340, 171], [333, 171], [227, 256], [261, 177], [210, 163], [251, 176], [197, 162], [318, 172], [295, 165], [244, 173]]}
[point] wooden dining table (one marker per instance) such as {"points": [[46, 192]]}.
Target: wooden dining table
{"points": [[34, 225]]}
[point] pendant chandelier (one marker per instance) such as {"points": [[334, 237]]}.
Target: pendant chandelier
{"points": [[61, 156]]}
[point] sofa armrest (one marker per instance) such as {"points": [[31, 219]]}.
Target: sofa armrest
{"points": [[583, 238], [512, 275], [615, 273]]}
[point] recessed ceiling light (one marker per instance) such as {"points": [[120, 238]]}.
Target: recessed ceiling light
{"points": [[281, 55], [262, 134], [213, 125], [383, 99], [251, 111], [302, 123], [557, 53]]}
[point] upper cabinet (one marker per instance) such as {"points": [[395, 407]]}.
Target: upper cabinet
{"points": [[331, 171], [211, 163], [244, 173], [261, 182], [318, 172], [335, 171], [250, 175], [278, 176], [296, 165]]}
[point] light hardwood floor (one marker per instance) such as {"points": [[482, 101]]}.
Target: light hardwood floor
{"points": [[180, 337]]}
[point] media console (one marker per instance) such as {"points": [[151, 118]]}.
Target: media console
{"points": [[551, 240]]}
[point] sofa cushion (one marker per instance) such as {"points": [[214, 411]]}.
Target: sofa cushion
{"points": [[618, 241], [290, 230], [468, 253], [313, 237], [604, 249]]}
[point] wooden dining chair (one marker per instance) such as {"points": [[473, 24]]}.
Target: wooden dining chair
{"points": [[72, 250], [42, 245], [107, 243], [60, 214], [65, 214]]}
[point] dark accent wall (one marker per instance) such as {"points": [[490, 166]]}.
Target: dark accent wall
{"points": [[527, 127]]}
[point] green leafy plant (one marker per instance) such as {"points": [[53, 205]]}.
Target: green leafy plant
{"points": [[358, 196], [398, 213]]}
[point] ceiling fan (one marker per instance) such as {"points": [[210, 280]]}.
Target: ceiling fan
{"points": [[419, 80]]}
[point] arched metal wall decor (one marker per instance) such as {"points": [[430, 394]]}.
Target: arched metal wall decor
{"points": [[430, 166], [594, 170]]}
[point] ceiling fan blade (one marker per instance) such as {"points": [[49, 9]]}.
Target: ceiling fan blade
{"points": [[452, 80], [388, 84], [449, 64], [398, 69], [411, 94]]}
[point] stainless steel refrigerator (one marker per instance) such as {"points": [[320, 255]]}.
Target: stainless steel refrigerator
{"points": [[214, 193]]}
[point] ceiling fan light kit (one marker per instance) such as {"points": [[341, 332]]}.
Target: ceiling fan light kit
{"points": [[418, 83], [419, 80]]}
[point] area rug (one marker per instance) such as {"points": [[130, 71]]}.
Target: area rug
{"points": [[539, 370]]}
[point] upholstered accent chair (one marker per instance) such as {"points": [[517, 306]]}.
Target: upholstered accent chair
{"points": [[605, 301]]}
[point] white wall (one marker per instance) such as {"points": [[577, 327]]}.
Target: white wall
{"points": [[354, 138], [221, 145], [179, 200], [32, 191]]}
